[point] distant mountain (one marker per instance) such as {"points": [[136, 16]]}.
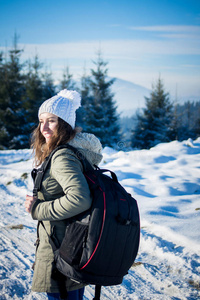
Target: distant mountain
{"points": [[129, 96]]}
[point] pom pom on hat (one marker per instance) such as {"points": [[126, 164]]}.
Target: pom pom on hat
{"points": [[72, 96], [63, 105]]}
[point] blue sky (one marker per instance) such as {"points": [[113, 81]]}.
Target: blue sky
{"points": [[139, 39]]}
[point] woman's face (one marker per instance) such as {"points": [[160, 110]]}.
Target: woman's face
{"points": [[48, 124]]}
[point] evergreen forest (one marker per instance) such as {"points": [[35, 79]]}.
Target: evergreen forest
{"points": [[25, 85]]}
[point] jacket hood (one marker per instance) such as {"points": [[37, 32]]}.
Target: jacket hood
{"points": [[89, 146]]}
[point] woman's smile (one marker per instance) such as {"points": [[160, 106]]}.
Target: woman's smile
{"points": [[48, 125]]}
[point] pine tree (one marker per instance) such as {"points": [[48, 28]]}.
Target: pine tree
{"points": [[12, 131], [67, 81], [154, 125], [34, 92], [4, 135], [48, 85], [197, 129], [197, 120], [101, 116], [39, 87], [82, 112], [187, 116]]}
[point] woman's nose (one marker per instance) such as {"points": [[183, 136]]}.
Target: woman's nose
{"points": [[46, 126]]}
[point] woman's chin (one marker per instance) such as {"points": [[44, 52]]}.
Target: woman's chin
{"points": [[48, 140]]}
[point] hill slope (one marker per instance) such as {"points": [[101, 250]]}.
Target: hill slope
{"points": [[129, 96]]}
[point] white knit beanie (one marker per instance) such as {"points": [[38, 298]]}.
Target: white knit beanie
{"points": [[63, 105]]}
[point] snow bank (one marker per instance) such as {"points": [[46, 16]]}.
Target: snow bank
{"points": [[165, 180]]}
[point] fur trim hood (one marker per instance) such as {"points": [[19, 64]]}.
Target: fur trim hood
{"points": [[89, 145]]}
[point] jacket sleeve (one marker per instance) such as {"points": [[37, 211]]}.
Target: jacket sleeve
{"points": [[67, 171]]}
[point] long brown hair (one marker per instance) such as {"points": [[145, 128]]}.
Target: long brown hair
{"points": [[63, 134]]}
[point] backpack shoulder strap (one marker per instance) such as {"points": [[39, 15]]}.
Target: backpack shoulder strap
{"points": [[40, 172], [50, 239], [97, 292]]}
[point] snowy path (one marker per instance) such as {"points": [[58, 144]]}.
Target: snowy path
{"points": [[15, 261], [168, 263]]}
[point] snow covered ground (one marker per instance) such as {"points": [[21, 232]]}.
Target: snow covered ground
{"points": [[165, 180]]}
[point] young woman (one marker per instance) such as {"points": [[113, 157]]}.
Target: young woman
{"points": [[64, 192]]}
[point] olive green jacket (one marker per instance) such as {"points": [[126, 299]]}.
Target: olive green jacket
{"points": [[64, 193]]}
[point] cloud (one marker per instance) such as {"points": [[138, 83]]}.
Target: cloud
{"points": [[168, 28], [175, 42], [183, 36], [112, 49], [171, 31], [137, 60]]}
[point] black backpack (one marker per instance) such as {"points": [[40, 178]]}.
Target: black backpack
{"points": [[101, 244]]}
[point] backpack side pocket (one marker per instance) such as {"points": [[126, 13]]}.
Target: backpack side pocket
{"points": [[73, 243]]}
